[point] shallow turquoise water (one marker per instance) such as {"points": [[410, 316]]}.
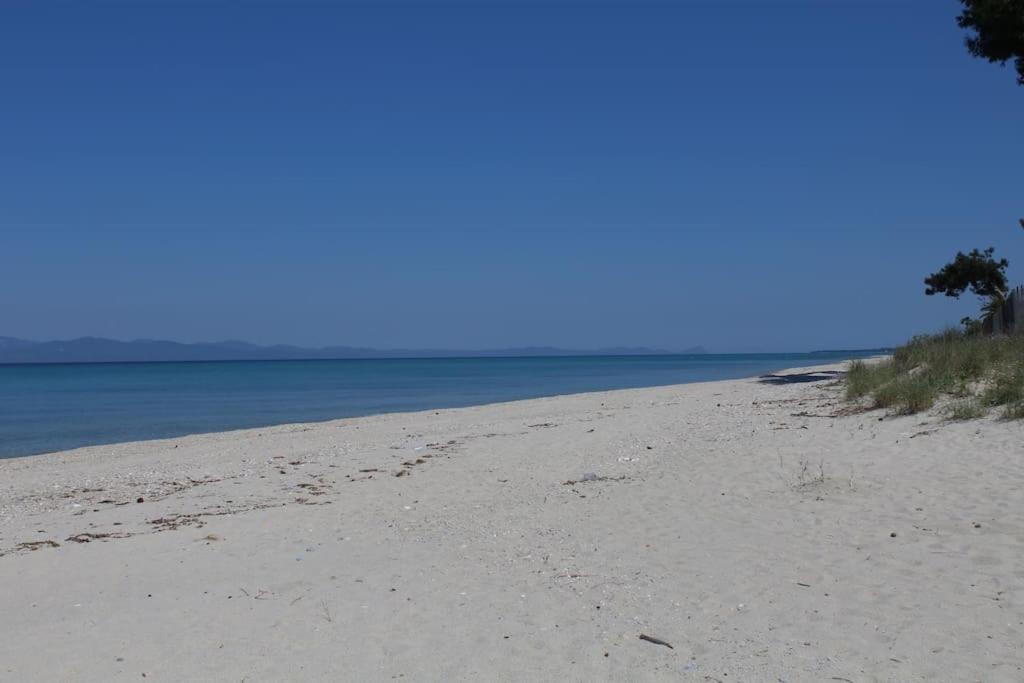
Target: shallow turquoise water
{"points": [[45, 408]]}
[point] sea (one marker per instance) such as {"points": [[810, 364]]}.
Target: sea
{"points": [[54, 407]]}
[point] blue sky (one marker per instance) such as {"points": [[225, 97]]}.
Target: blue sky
{"points": [[741, 175]]}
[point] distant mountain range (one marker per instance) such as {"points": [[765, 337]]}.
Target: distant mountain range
{"points": [[99, 350]]}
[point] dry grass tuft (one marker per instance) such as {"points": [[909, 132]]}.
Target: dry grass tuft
{"points": [[984, 372]]}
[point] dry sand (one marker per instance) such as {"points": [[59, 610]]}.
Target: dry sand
{"points": [[755, 528]]}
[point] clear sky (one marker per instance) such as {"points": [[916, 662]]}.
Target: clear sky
{"points": [[741, 175]]}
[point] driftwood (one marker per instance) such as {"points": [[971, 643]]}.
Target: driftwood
{"points": [[656, 641]]}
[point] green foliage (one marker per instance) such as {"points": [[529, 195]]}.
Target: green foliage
{"points": [[992, 306], [977, 271], [971, 325], [982, 371], [998, 31]]}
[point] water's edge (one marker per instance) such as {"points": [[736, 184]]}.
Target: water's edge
{"points": [[55, 408]]}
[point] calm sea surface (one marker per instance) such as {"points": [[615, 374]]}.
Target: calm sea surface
{"points": [[45, 408]]}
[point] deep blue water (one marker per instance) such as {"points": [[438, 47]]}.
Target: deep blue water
{"points": [[45, 408]]}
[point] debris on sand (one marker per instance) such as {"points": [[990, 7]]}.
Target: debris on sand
{"points": [[590, 476], [87, 537], [36, 545], [656, 641]]}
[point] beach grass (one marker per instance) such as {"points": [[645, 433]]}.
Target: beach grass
{"points": [[966, 409], [978, 372]]}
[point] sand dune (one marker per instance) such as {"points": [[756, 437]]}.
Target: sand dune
{"points": [[753, 526]]}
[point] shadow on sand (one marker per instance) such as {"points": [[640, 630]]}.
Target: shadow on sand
{"points": [[800, 377]]}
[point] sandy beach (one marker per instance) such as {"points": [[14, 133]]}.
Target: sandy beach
{"points": [[757, 529]]}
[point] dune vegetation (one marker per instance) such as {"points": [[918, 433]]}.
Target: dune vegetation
{"points": [[967, 374]]}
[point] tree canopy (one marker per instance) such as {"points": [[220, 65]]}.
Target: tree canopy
{"points": [[977, 271], [998, 27]]}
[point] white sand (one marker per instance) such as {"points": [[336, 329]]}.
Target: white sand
{"points": [[277, 558]]}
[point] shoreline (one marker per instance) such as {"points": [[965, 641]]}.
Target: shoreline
{"points": [[757, 527], [269, 426], [72, 455]]}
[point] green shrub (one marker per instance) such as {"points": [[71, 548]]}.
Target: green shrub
{"points": [[906, 394], [862, 379]]}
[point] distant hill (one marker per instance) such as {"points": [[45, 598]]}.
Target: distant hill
{"points": [[99, 350]]}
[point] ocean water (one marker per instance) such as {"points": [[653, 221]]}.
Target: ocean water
{"points": [[46, 408]]}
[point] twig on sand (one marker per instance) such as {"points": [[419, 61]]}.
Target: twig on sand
{"points": [[326, 612], [656, 641], [586, 479]]}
